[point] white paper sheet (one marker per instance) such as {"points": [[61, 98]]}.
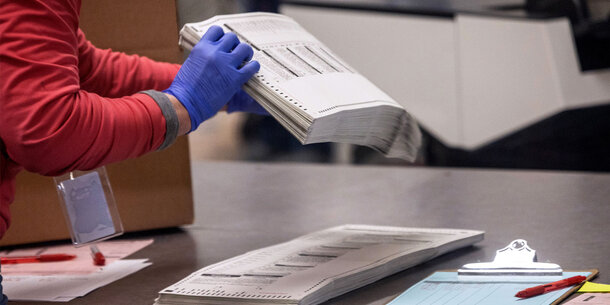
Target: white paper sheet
{"points": [[113, 250], [63, 288]]}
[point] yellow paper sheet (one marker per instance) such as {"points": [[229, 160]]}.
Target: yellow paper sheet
{"points": [[594, 287]]}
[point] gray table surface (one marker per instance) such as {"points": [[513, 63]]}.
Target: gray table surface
{"points": [[245, 206]]}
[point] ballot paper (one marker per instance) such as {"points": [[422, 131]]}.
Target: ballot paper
{"points": [[113, 250], [315, 267], [63, 288], [312, 92]]}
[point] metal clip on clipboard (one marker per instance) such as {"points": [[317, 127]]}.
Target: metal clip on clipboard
{"points": [[515, 262]]}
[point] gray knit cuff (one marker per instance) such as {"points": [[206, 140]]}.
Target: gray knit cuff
{"points": [[171, 118]]}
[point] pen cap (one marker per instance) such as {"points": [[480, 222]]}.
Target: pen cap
{"points": [[88, 204]]}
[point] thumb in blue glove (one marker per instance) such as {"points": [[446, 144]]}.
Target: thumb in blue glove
{"points": [[212, 74], [241, 101]]}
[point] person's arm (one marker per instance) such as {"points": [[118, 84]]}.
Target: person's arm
{"points": [[48, 123], [116, 74], [184, 120]]}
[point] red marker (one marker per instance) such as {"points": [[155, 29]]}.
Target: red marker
{"points": [[538, 290], [36, 258], [98, 257]]}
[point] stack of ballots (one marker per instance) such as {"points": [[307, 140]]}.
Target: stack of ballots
{"points": [[312, 92], [315, 267]]}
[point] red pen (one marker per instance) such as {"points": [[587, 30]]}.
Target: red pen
{"points": [[534, 291], [37, 258]]}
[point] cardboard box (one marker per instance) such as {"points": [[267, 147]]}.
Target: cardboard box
{"points": [[153, 191]]}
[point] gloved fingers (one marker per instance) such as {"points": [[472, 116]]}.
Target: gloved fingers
{"points": [[241, 101], [242, 53], [213, 33], [250, 68], [228, 42], [252, 106], [258, 109], [237, 101]]}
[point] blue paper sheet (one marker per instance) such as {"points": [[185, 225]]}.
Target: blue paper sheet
{"points": [[444, 288]]}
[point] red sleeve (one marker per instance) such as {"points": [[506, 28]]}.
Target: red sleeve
{"points": [[48, 123], [116, 74]]}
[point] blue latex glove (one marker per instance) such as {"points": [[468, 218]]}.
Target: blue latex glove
{"points": [[212, 74], [241, 101]]}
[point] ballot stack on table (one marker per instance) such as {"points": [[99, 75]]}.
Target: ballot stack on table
{"points": [[315, 267], [312, 92]]}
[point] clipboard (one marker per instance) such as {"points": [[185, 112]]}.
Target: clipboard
{"points": [[493, 283], [436, 289]]}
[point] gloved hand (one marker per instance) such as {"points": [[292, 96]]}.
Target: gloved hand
{"points": [[212, 75], [241, 101]]}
